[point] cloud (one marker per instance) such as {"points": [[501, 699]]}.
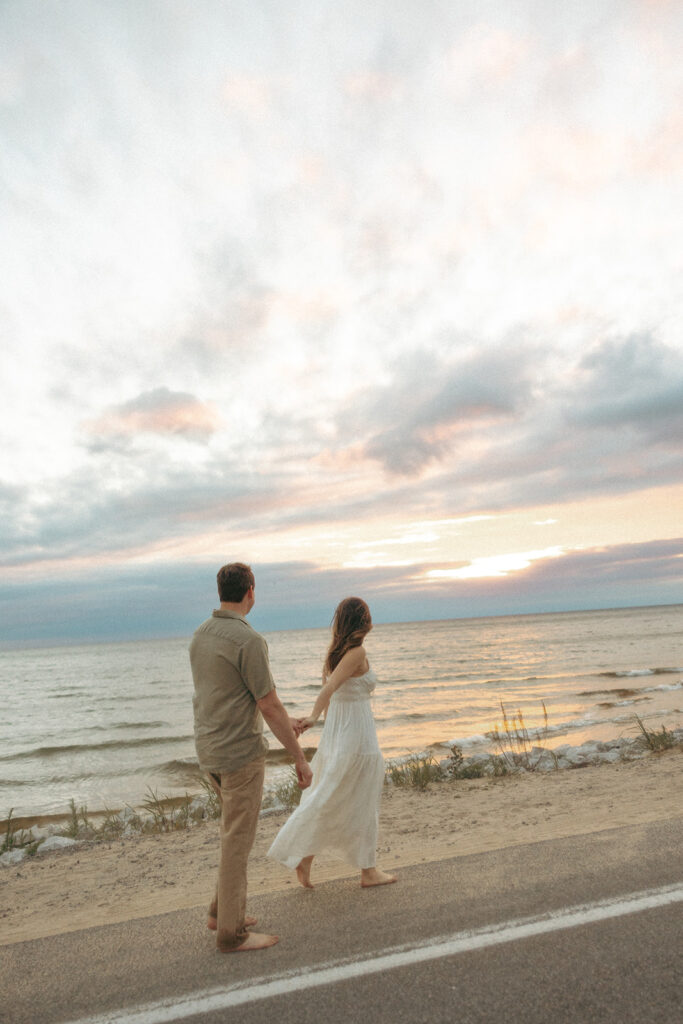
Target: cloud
{"points": [[522, 424], [416, 417], [172, 599], [425, 268], [604, 421], [634, 382], [467, 432], [128, 505], [162, 412]]}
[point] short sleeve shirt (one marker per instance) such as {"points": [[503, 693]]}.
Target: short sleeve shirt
{"points": [[231, 672]]}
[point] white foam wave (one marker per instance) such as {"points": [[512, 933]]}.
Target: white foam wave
{"points": [[634, 673], [478, 739], [664, 687]]}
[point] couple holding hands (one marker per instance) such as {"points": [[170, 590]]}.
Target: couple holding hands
{"points": [[234, 692]]}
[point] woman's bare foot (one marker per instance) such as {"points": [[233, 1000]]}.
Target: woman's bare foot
{"points": [[373, 876], [253, 941], [212, 923], [303, 872]]}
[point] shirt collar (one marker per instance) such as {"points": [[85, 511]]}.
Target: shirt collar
{"points": [[222, 613]]}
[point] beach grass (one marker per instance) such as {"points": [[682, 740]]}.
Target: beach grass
{"points": [[459, 768], [10, 835], [78, 825], [417, 771], [161, 814], [288, 792], [165, 814], [112, 825], [213, 804], [656, 740], [514, 741], [15, 838]]}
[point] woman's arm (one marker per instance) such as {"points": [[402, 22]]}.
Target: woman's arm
{"points": [[351, 663]]}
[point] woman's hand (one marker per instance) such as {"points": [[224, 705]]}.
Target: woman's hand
{"points": [[307, 722]]}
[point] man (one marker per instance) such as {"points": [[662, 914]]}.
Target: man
{"points": [[234, 692]]}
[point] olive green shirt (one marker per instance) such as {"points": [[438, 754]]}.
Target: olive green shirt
{"points": [[231, 672]]}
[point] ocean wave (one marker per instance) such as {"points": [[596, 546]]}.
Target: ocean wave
{"points": [[416, 716], [622, 703], [502, 681], [618, 692], [622, 692], [476, 740], [39, 780], [536, 734], [186, 768], [82, 748], [128, 725], [633, 673]]}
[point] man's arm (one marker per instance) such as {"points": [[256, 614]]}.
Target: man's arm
{"points": [[273, 711]]}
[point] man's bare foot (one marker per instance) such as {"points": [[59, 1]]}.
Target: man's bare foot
{"points": [[253, 941], [212, 923], [303, 872], [373, 876]]}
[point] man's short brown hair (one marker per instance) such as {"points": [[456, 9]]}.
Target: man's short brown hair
{"points": [[234, 581]]}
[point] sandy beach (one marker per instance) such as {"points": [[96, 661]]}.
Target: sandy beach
{"points": [[97, 883]]}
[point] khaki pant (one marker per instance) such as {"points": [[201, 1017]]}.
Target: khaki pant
{"points": [[240, 795]]}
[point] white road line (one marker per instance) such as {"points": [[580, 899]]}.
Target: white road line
{"points": [[227, 997]]}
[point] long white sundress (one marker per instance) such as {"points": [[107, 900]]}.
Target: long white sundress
{"points": [[339, 811]]}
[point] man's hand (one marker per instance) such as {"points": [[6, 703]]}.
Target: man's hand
{"points": [[303, 773], [298, 726], [283, 727]]}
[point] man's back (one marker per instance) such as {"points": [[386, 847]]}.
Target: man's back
{"points": [[231, 673]]}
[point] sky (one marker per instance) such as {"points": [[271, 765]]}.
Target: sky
{"points": [[383, 298]]}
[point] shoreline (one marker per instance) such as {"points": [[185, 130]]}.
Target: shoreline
{"points": [[438, 686], [546, 758], [101, 882]]}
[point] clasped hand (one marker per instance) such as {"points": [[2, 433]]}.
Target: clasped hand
{"points": [[300, 725]]}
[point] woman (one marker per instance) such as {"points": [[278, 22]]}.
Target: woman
{"points": [[339, 812]]}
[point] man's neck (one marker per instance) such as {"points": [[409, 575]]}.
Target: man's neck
{"points": [[238, 609]]}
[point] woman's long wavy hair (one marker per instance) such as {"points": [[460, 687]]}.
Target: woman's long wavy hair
{"points": [[351, 624]]}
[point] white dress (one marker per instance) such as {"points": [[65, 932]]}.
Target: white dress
{"points": [[339, 811]]}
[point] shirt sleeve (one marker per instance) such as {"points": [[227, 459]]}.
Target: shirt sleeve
{"points": [[255, 668]]}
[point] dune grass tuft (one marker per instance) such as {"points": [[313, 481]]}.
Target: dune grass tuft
{"points": [[213, 804], [10, 835], [288, 792], [513, 740], [458, 768], [656, 740], [416, 771]]}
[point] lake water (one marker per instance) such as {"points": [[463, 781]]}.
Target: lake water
{"points": [[101, 723]]}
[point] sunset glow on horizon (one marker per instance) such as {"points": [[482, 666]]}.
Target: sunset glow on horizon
{"points": [[383, 300]]}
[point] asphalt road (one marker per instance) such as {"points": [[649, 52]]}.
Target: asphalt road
{"points": [[621, 968]]}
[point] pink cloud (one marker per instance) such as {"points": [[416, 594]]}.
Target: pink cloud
{"points": [[161, 412]]}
